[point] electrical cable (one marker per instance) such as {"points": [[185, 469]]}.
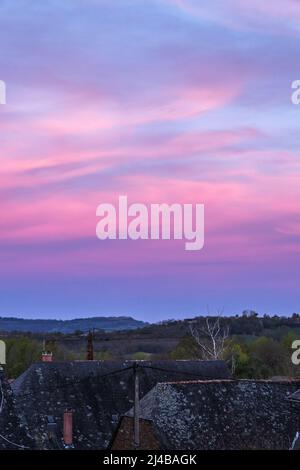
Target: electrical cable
{"points": [[78, 381], [191, 374]]}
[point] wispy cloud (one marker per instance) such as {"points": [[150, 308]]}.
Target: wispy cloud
{"points": [[165, 101]]}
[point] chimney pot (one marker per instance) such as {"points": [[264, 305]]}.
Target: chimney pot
{"points": [[47, 357], [68, 428]]}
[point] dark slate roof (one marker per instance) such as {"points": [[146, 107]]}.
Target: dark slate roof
{"points": [[222, 414], [296, 442], [295, 396], [13, 433], [98, 400]]}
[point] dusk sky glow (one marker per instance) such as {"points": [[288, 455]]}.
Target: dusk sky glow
{"points": [[166, 101]]}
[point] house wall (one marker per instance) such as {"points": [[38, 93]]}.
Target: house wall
{"points": [[123, 439]]}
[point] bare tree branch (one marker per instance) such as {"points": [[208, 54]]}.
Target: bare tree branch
{"points": [[210, 338]]}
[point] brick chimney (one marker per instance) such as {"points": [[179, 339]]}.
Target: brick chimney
{"points": [[47, 356], [68, 428]]}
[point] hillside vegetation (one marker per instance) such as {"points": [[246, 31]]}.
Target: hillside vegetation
{"points": [[256, 347]]}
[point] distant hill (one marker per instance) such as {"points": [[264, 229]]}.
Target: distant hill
{"points": [[69, 326]]}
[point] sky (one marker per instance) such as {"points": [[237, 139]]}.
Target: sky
{"points": [[165, 101]]}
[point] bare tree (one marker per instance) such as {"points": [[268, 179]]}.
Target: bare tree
{"points": [[210, 338]]}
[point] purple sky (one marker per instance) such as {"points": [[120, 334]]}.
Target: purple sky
{"points": [[164, 101]]}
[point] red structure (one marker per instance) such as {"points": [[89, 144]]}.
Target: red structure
{"points": [[68, 428], [47, 357]]}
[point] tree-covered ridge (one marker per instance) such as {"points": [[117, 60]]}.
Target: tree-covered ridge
{"points": [[69, 326], [254, 347]]}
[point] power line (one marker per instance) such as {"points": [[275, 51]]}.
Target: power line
{"points": [[118, 371], [78, 381], [13, 443], [191, 374]]}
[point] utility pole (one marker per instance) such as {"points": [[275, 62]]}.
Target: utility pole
{"points": [[136, 441], [90, 346]]}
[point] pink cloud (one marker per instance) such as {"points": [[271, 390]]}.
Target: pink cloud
{"points": [[277, 16]]}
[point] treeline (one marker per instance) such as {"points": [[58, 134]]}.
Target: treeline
{"points": [[249, 323], [22, 351], [249, 358], [257, 346]]}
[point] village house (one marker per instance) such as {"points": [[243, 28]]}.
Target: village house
{"points": [[184, 405], [214, 415], [96, 393]]}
